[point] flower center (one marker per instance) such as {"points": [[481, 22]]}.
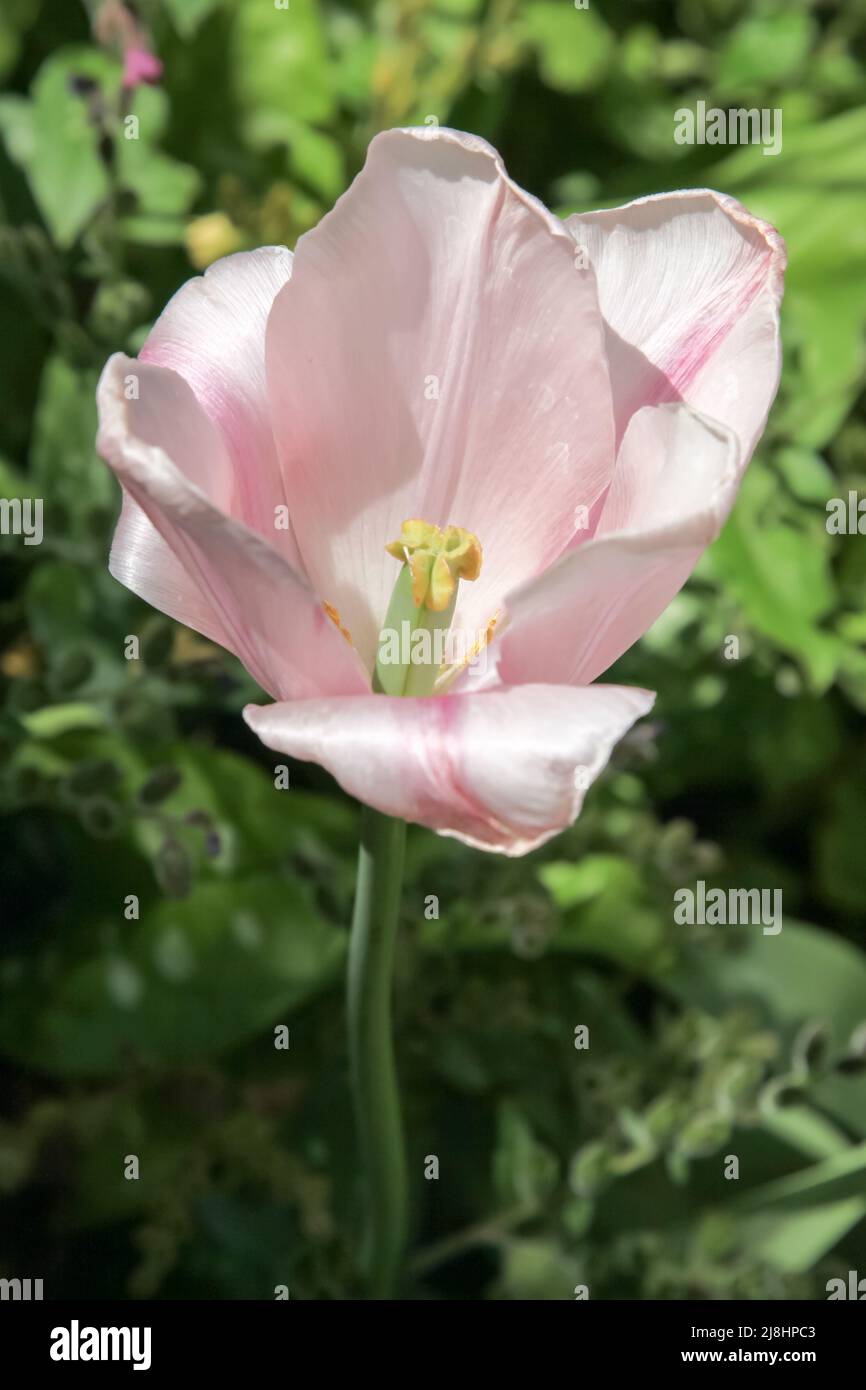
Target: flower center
{"points": [[412, 641]]}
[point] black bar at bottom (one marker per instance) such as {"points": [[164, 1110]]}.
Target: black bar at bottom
{"points": [[160, 1338]]}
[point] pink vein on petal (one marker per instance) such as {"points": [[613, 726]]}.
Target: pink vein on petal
{"points": [[682, 369]]}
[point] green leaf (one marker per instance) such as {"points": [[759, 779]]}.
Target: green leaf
{"points": [[281, 69], [56, 720], [524, 1171], [704, 1134], [833, 1180], [782, 580], [164, 187], [188, 981], [572, 884], [256, 824], [826, 154], [764, 49], [63, 460], [316, 159], [795, 1243], [812, 191], [605, 908], [55, 141], [537, 1270], [17, 128], [589, 1171], [801, 974], [573, 47], [152, 229], [806, 474], [804, 1129]]}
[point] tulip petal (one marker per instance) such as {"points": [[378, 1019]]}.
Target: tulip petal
{"points": [[689, 285], [504, 770], [142, 561], [675, 482], [437, 354], [212, 333], [224, 579]]}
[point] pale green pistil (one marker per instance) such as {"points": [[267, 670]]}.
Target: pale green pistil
{"points": [[412, 641]]}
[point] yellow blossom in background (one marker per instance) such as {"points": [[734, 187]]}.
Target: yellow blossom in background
{"points": [[211, 236]]}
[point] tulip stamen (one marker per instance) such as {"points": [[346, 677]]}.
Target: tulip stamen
{"points": [[334, 615], [449, 674], [411, 643], [437, 560]]}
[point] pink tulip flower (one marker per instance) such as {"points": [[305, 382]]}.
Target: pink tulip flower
{"points": [[117, 27], [580, 396], [140, 65]]}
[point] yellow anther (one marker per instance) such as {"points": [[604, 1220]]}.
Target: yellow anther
{"points": [[449, 674], [335, 619], [437, 559]]}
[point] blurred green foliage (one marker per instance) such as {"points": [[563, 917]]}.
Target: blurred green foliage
{"points": [[164, 908]]}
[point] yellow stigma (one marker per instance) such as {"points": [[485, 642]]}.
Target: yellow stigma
{"points": [[437, 559]]}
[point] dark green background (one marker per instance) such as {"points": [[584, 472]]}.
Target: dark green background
{"points": [[155, 1037]]}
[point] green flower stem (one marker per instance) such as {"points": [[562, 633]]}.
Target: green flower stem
{"points": [[371, 1050]]}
